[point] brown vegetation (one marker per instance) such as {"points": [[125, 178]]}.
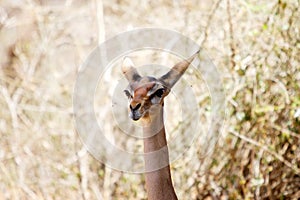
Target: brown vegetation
{"points": [[255, 45]]}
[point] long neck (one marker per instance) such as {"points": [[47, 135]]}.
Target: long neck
{"points": [[158, 183]]}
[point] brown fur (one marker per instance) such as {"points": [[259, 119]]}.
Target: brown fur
{"points": [[146, 103]]}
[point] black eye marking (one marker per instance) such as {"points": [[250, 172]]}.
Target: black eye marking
{"points": [[127, 93], [159, 93]]}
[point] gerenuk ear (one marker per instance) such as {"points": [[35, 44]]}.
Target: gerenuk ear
{"points": [[177, 71], [129, 70]]}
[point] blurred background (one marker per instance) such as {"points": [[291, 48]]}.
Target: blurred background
{"points": [[254, 44]]}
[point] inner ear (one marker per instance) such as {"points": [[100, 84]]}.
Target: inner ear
{"points": [[171, 77], [129, 70]]}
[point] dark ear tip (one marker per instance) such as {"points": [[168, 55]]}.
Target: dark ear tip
{"points": [[198, 51], [194, 56], [125, 57], [126, 64]]}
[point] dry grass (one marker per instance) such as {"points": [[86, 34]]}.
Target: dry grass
{"points": [[256, 46]]}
